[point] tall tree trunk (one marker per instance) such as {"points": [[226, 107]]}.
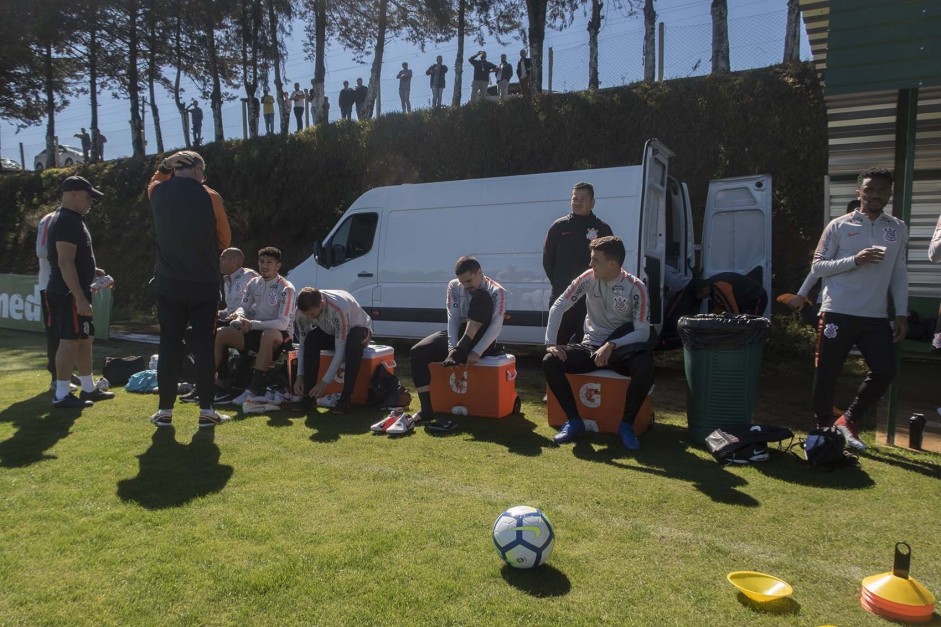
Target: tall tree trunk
{"points": [[133, 80], [320, 67], [792, 52], [52, 150], [650, 41], [537, 35], [372, 90], [153, 71], [276, 62], [93, 88], [212, 59], [459, 58], [178, 65], [720, 37], [594, 27]]}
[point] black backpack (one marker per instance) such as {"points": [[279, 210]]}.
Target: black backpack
{"points": [[745, 444], [826, 449], [118, 370], [386, 391]]}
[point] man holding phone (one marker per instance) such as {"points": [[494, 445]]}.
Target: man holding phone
{"points": [[862, 256]]}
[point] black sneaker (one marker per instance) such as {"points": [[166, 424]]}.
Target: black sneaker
{"points": [[440, 426], [190, 397], [341, 407], [96, 395], [212, 418], [71, 402]]}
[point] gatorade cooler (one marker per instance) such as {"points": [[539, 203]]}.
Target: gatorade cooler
{"points": [[486, 390], [373, 355], [599, 396]]}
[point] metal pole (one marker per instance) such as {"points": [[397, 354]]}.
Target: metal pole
{"points": [[244, 118], [22, 157], [660, 52], [550, 69], [906, 115]]}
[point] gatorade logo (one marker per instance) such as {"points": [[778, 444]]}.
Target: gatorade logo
{"points": [[590, 395], [340, 375], [458, 385]]}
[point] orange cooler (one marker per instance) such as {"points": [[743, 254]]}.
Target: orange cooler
{"points": [[599, 396], [373, 355], [486, 389]]}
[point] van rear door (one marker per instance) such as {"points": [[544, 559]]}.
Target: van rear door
{"points": [[651, 249], [737, 229]]}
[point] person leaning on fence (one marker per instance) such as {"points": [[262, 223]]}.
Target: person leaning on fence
{"points": [[72, 271], [191, 229], [405, 87], [476, 306], [329, 320], [861, 257], [617, 336], [267, 108]]}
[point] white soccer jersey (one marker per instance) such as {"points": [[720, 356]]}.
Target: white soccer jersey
{"points": [[268, 304], [234, 289], [42, 249], [340, 314], [458, 302]]}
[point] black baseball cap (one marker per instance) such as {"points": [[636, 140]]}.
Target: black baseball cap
{"points": [[80, 184]]}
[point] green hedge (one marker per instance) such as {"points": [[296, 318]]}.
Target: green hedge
{"points": [[288, 191]]}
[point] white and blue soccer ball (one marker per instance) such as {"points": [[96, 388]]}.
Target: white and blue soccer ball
{"points": [[523, 536]]}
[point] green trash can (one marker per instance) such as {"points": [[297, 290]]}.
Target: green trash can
{"points": [[722, 357]]}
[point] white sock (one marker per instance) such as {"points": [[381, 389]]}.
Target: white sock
{"points": [[166, 411], [62, 389], [88, 385]]}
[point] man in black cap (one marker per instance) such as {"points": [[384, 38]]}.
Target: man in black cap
{"points": [[72, 271], [192, 229]]}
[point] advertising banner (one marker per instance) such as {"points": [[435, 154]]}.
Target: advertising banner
{"points": [[20, 307]]}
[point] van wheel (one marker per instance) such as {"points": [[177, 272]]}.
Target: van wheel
{"points": [[517, 405], [68, 162]]}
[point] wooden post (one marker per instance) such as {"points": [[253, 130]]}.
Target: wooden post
{"points": [[550, 69], [22, 157], [660, 52]]}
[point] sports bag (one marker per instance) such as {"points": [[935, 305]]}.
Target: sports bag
{"points": [[826, 449], [386, 391], [118, 370], [745, 444]]}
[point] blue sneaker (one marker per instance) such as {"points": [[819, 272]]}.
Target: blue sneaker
{"points": [[628, 439], [572, 428]]}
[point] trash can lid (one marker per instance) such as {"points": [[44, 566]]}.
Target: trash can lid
{"points": [[722, 331]]}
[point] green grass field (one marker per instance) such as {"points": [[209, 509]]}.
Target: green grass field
{"points": [[287, 520]]}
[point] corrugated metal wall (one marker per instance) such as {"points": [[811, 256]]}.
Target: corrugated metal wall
{"points": [[862, 134]]}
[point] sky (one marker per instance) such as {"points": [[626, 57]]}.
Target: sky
{"points": [[756, 34]]}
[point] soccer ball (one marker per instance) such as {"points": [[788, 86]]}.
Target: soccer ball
{"points": [[523, 536]]}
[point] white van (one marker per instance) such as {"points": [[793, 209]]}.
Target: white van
{"points": [[394, 249]]}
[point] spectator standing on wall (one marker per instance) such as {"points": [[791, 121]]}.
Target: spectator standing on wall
{"points": [[437, 72]]}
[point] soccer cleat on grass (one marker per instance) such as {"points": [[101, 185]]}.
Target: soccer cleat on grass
{"points": [[403, 424], [848, 429], [572, 428], [70, 401], [628, 439], [162, 418], [210, 418], [96, 395], [388, 421]]}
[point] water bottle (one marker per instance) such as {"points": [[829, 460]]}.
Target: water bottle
{"points": [[916, 429], [152, 365]]}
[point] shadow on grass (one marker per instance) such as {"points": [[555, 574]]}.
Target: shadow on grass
{"points": [[777, 607], [514, 432], [906, 462], [665, 453], [542, 582], [328, 427], [172, 474], [790, 467], [39, 427]]}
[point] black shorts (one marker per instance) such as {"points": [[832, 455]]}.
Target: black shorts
{"points": [[253, 339], [65, 319]]}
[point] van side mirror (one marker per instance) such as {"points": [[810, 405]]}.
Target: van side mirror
{"points": [[319, 254]]}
